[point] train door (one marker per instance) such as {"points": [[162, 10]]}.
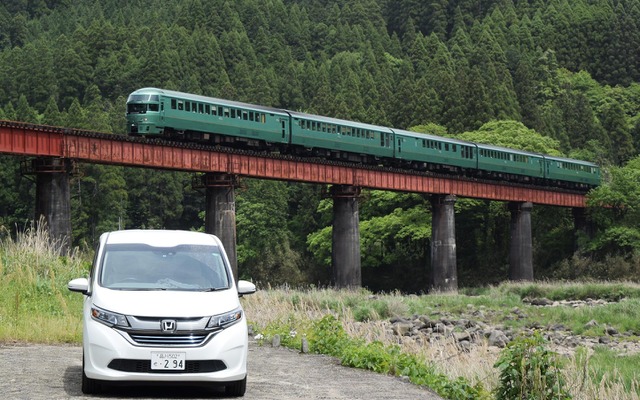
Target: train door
{"points": [[162, 101], [285, 130]]}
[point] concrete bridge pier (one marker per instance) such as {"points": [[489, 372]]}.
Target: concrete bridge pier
{"points": [[220, 213], [345, 241], [582, 227], [444, 272], [53, 199], [521, 248]]}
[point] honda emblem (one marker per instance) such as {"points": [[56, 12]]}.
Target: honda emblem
{"points": [[168, 325]]}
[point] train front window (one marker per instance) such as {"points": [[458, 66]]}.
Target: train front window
{"points": [[136, 108], [143, 103]]}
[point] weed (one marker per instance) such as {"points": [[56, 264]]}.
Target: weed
{"points": [[529, 371]]}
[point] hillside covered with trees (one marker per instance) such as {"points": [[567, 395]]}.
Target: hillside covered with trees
{"points": [[554, 76]]}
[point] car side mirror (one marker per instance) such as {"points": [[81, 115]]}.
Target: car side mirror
{"points": [[80, 285], [245, 287]]}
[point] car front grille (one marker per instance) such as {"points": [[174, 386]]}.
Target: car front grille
{"points": [[168, 340], [144, 366]]}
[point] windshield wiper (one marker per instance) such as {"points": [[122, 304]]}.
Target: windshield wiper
{"points": [[213, 289]]}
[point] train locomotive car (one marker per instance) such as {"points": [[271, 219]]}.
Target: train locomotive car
{"points": [[163, 113], [170, 114]]}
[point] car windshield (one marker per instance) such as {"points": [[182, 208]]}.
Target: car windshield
{"points": [[143, 267]]}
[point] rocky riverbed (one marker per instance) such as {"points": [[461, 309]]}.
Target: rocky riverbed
{"points": [[469, 329]]}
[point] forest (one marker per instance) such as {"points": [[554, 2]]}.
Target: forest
{"points": [[554, 76]]}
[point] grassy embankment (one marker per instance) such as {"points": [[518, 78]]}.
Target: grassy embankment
{"points": [[35, 306]]}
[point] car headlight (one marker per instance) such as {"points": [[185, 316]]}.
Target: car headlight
{"points": [[109, 318], [225, 320]]}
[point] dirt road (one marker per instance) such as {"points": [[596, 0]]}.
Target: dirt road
{"points": [[53, 372]]}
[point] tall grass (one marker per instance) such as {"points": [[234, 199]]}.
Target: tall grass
{"points": [[35, 305]]}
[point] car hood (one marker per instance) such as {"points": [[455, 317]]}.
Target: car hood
{"points": [[165, 303]]}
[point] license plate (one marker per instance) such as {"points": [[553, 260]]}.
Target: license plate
{"points": [[167, 361]]}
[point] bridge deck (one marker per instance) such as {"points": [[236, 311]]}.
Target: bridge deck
{"points": [[45, 141]]}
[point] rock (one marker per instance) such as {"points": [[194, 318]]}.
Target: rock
{"points": [[498, 338], [460, 336], [465, 346], [557, 327], [604, 340], [275, 342], [304, 348], [610, 330], [591, 324], [541, 302], [402, 328], [572, 341]]}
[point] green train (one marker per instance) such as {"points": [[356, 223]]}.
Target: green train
{"points": [[163, 113]]}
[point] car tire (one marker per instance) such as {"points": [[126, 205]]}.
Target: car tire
{"points": [[89, 386], [236, 389]]}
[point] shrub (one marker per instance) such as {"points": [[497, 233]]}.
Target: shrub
{"points": [[529, 371]]}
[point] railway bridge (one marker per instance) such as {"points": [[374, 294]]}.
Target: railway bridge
{"points": [[54, 150]]}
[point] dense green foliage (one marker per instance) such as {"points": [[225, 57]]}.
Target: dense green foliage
{"points": [[556, 76]]}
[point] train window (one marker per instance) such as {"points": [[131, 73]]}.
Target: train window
{"points": [[187, 106], [226, 112], [454, 148], [207, 109], [153, 107], [245, 115], [201, 108], [173, 104]]}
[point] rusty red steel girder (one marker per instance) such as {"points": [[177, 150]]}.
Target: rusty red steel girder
{"points": [[39, 140]]}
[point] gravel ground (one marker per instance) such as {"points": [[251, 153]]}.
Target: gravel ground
{"points": [[53, 372]]}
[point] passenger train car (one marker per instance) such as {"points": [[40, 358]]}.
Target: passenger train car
{"points": [[163, 113]]}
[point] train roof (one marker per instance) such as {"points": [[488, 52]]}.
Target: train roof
{"points": [[509, 150], [421, 135], [571, 160], [336, 121], [205, 99]]}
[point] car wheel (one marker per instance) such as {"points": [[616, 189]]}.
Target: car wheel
{"points": [[89, 386], [236, 389]]}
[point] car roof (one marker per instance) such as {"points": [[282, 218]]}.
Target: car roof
{"points": [[160, 237]]}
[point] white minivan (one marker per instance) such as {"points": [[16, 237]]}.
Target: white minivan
{"points": [[163, 306]]}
